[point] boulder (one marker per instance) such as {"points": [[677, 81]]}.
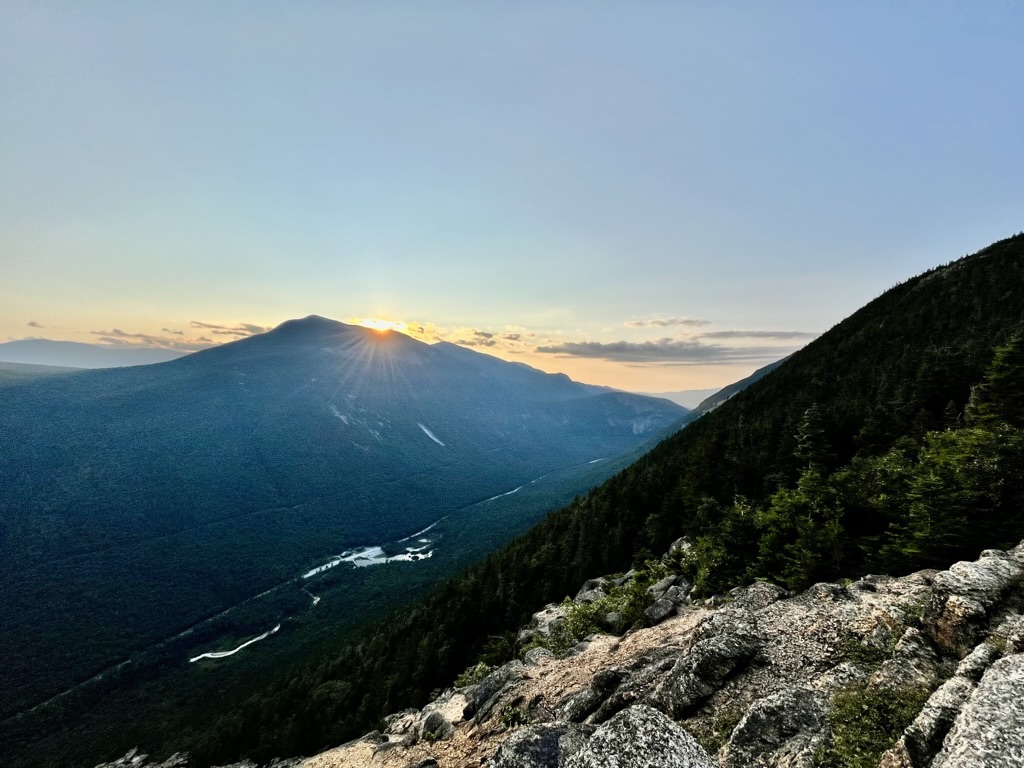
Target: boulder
{"points": [[642, 677], [759, 595], [682, 544], [989, 731], [701, 672], [660, 587], [640, 737], [537, 656], [591, 591], [913, 664], [963, 596], [658, 611], [613, 622], [1011, 632], [784, 728], [482, 696], [576, 707], [132, 759], [435, 726], [627, 577], [541, 746], [977, 661], [543, 623], [401, 723]]}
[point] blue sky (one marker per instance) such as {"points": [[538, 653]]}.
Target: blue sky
{"points": [[657, 196]]}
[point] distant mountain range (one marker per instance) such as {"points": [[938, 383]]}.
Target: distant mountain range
{"points": [[73, 354], [136, 502]]}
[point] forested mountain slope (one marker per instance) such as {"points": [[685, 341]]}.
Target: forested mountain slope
{"points": [[138, 502], [865, 450]]}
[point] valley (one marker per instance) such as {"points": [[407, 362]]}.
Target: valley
{"points": [[194, 561]]}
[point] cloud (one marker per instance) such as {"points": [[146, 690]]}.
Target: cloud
{"points": [[240, 330], [664, 351], [667, 322], [117, 337], [176, 333], [477, 338], [780, 335], [34, 324]]}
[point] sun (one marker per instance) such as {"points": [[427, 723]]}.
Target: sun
{"points": [[380, 325]]}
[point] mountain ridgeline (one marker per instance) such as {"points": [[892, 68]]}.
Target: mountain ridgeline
{"points": [[137, 503], [892, 442]]}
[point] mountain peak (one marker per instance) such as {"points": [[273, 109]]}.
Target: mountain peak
{"points": [[310, 323]]}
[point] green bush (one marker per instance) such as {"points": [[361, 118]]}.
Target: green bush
{"points": [[865, 723], [630, 600], [473, 675]]}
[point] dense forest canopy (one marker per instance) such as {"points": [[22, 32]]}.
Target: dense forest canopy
{"points": [[892, 442]]}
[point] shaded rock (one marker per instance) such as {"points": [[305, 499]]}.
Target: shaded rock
{"points": [[963, 596], [861, 585], [658, 611], [613, 622], [640, 737], [376, 738], [541, 746], [401, 723], [590, 596], [638, 683], [843, 675], [677, 594], [591, 591], [543, 623], [659, 588], [913, 664], [577, 706], [989, 731], [482, 696], [537, 656], [826, 592], [680, 545], [1011, 632], [427, 762], [977, 661], [132, 759], [923, 737], [435, 726], [627, 577], [701, 672], [580, 647], [759, 595], [787, 727]]}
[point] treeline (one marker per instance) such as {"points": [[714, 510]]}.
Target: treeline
{"points": [[892, 442]]}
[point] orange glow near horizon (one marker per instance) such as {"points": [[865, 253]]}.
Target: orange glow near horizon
{"points": [[382, 326]]}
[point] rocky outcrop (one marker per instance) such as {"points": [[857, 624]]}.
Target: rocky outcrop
{"points": [[785, 728], [964, 597], [749, 679], [640, 737], [989, 730], [134, 759], [541, 746]]}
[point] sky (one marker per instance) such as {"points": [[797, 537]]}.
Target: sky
{"points": [[656, 196]]}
